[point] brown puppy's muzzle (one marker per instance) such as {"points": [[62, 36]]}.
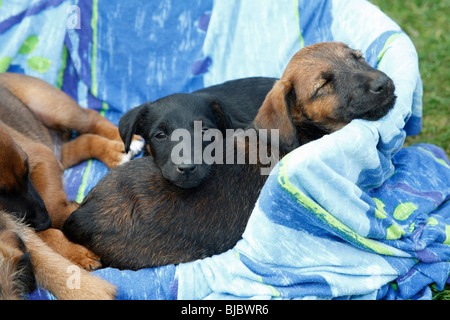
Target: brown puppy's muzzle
{"points": [[382, 85], [382, 88]]}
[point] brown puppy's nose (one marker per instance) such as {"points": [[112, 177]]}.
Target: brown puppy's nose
{"points": [[186, 169], [382, 85]]}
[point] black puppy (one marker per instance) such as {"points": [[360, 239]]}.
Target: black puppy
{"points": [[230, 105], [134, 218]]}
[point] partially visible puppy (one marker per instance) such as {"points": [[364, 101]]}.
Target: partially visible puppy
{"points": [[35, 120], [26, 261], [37, 117], [230, 105]]}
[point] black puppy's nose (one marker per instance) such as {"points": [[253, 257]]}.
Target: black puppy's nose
{"points": [[186, 169], [382, 84]]}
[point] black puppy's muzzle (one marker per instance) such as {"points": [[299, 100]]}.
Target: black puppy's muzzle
{"points": [[186, 170], [187, 176]]}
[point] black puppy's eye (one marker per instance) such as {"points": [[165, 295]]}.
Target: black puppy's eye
{"points": [[161, 136]]}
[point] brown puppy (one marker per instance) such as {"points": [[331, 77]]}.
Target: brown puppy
{"points": [[134, 218], [34, 119], [26, 261]]}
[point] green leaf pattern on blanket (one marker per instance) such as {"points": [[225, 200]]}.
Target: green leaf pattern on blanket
{"points": [[404, 210], [447, 233], [380, 213], [401, 213], [394, 232], [29, 45], [39, 64], [4, 63]]}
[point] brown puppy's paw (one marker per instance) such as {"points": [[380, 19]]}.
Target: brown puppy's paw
{"points": [[116, 155], [136, 147], [77, 254], [83, 257]]}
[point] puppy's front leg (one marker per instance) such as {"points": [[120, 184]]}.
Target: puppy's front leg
{"points": [[88, 146], [77, 254]]}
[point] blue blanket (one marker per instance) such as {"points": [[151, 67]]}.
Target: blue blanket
{"points": [[351, 215]]}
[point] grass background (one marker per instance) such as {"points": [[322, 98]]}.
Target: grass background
{"points": [[427, 23]]}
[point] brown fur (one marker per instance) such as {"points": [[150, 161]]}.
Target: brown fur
{"points": [[18, 243]]}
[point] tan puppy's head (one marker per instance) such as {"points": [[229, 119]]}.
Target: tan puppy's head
{"points": [[323, 88]]}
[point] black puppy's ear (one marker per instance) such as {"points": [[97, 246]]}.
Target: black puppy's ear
{"points": [[222, 119], [130, 124], [275, 113]]}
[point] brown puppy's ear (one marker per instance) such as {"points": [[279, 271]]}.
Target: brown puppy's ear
{"points": [[275, 114], [223, 120], [130, 124]]}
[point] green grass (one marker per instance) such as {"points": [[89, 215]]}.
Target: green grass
{"points": [[428, 25]]}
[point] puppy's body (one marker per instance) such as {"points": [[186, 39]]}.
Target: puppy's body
{"points": [[134, 219]]}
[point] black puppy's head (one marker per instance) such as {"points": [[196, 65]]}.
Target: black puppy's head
{"points": [[17, 192], [173, 129]]}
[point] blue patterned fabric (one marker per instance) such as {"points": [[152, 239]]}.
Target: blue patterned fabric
{"points": [[351, 215]]}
